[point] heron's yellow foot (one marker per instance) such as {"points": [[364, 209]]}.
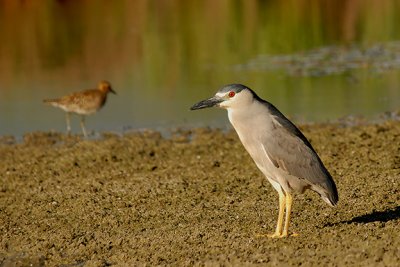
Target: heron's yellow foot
{"points": [[286, 234], [274, 235], [277, 235]]}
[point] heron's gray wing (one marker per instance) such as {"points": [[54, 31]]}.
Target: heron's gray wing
{"points": [[290, 150]]}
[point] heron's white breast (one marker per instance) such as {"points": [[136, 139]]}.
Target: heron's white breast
{"points": [[252, 126]]}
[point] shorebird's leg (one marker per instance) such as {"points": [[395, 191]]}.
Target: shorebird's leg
{"points": [[67, 117], [83, 125]]}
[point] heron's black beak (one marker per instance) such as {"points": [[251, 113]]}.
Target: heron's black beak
{"points": [[112, 91], [208, 103]]}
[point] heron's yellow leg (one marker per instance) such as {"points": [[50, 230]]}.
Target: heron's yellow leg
{"points": [[289, 200], [279, 225], [278, 231]]}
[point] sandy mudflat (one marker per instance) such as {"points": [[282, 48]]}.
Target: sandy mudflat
{"points": [[194, 199]]}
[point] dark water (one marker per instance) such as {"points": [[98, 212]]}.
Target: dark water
{"points": [[315, 60]]}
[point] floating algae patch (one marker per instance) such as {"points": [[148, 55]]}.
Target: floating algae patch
{"points": [[330, 60]]}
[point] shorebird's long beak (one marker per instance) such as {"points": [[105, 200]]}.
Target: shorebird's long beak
{"points": [[112, 91]]}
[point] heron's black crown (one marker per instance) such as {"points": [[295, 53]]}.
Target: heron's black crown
{"points": [[235, 87]]}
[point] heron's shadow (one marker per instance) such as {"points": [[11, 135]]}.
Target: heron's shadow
{"points": [[376, 216]]}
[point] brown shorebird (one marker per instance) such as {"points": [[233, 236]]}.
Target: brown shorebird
{"points": [[83, 103]]}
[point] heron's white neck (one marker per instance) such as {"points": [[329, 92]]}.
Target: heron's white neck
{"points": [[252, 116]]}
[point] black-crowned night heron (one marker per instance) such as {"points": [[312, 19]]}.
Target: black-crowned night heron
{"points": [[277, 146], [84, 103]]}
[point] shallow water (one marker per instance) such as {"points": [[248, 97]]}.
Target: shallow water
{"points": [[315, 63]]}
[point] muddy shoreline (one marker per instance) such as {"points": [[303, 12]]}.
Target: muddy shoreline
{"points": [[194, 199]]}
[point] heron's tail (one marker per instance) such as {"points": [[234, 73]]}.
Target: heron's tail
{"points": [[331, 195]]}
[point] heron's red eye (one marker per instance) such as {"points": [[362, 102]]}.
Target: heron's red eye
{"points": [[231, 94]]}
